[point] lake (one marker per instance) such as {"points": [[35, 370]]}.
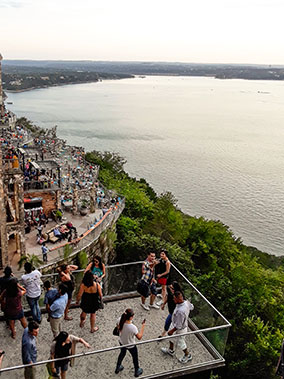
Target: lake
{"points": [[217, 145]]}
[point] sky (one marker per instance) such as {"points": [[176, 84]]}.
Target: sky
{"points": [[201, 31]]}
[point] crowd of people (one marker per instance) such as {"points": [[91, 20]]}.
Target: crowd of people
{"points": [[89, 297]]}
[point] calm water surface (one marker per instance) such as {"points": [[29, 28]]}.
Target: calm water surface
{"points": [[218, 145]]}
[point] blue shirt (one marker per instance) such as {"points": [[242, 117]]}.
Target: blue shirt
{"points": [[57, 308], [29, 351], [50, 296]]}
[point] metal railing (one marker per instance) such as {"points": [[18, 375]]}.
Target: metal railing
{"points": [[207, 336], [89, 237]]}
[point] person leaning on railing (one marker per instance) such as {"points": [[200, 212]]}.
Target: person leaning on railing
{"points": [[62, 346]]}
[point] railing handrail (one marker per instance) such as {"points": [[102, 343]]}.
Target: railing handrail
{"points": [[113, 348], [200, 294], [106, 218]]}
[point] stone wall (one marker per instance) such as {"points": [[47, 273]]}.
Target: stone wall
{"points": [[49, 199]]}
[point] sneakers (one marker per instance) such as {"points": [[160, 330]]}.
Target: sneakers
{"points": [[145, 307], [118, 369], [160, 302], [155, 306], [138, 372], [186, 358], [165, 350]]}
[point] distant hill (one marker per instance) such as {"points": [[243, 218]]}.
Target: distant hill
{"points": [[22, 75], [222, 71]]}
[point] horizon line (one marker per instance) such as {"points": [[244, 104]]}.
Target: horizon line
{"points": [[141, 61]]}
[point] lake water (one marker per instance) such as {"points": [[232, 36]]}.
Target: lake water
{"points": [[218, 145]]}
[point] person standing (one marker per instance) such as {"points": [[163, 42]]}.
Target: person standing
{"points": [[90, 292], [163, 269], [147, 283], [44, 250], [4, 280], [4, 283], [98, 269], [127, 334], [32, 283], [29, 349], [65, 273], [13, 310], [57, 310], [171, 289], [50, 295], [39, 228], [179, 325]]}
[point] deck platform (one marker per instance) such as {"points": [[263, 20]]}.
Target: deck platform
{"points": [[102, 364]]}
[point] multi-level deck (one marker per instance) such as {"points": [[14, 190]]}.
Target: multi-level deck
{"points": [[206, 339]]}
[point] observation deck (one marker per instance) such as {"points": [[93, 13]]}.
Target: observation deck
{"points": [[206, 338]]}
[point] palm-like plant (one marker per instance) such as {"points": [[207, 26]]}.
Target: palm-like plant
{"points": [[31, 258]]}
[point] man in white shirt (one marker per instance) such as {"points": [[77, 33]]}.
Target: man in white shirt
{"points": [[32, 282], [179, 325]]}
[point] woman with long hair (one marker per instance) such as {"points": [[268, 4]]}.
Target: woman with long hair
{"points": [[90, 293], [65, 273], [162, 273], [97, 268], [13, 310], [127, 334], [62, 346]]}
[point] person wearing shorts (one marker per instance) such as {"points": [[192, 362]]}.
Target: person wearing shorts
{"points": [[57, 310], [62, 346], [147, 284], [163, 269], [179, 325]]}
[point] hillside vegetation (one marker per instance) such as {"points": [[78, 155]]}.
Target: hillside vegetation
{"points": [[244, 284]]}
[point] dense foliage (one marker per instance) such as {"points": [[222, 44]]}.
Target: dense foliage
{"points": [[240, 283]]}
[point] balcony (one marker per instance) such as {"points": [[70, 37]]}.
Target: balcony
{"points": [[206, 338]]}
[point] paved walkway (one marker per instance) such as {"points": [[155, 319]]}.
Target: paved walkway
{"points": [[102, 365], [81, 223]]}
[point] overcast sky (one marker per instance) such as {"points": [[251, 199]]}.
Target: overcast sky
{"points": [[221, 31]]}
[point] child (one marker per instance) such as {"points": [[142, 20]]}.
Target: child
{"points": [[50, 295]]}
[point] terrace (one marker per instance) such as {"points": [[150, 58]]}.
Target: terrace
{"points": [[206, 339]]}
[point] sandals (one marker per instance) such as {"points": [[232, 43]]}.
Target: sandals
{"points": [[68, 318], [95, 329]]}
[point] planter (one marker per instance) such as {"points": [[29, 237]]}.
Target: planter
{"points": [[83, 211]]}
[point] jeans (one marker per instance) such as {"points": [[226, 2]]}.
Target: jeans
{"points": [[133, 351], [168, 322], [33, 303]]}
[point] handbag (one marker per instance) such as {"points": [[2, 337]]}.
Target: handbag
{"points": [[280, 364], [142, 288], [115, 331]]}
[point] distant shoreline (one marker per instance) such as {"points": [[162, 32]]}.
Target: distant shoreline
{"points": [[51, 85]]}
